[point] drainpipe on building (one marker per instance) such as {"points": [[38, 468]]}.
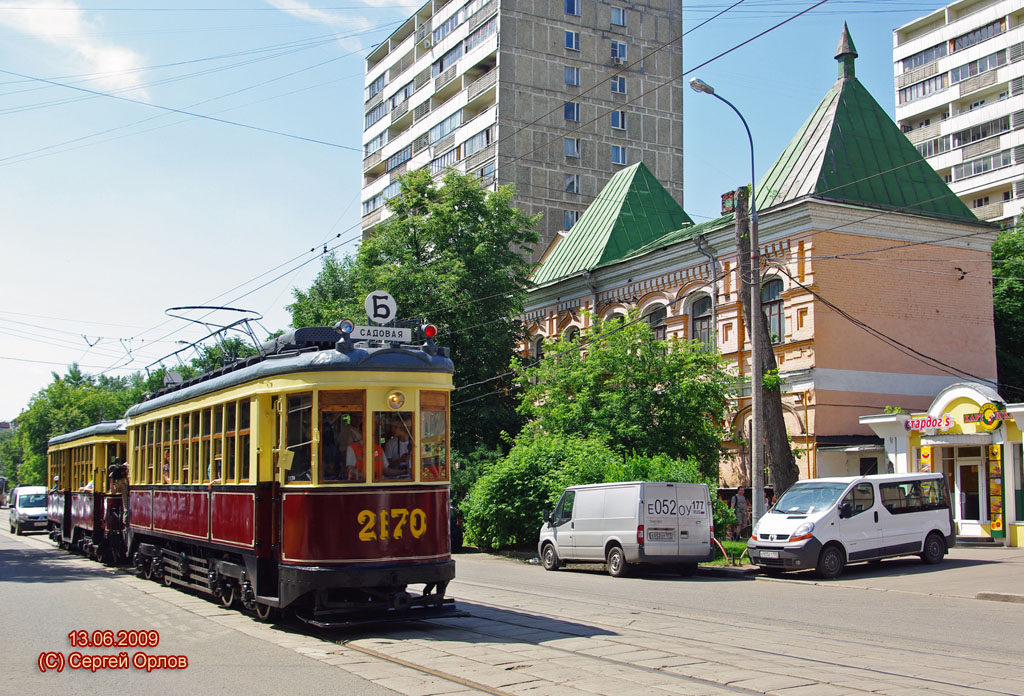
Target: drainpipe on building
{"points": [[704, 248], [592, 285]]}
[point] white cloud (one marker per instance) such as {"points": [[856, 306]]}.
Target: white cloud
{"points": [[64, 25], [344, 22]]}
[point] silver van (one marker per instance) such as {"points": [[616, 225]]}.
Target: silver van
{"points": [[620, 524]]}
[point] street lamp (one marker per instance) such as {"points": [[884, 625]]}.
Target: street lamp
{"points": [[756, 395]]}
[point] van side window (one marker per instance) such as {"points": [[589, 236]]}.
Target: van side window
{"points": [[860, 498], [913, 496], [563, 511]]}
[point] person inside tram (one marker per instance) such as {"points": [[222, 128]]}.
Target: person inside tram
{"points": [[398, 451], [354, 457], [331, 447]]}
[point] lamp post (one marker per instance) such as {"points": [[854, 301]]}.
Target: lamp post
{"points": [[756, 394]]}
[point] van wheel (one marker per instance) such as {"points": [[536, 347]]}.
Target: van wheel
{"points": [[934, 549], [617, 565], [17, 529], [550, 558], [830, 562]]}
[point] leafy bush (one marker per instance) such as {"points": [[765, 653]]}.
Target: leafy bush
{"points": [[467, 468], [505, 506]]}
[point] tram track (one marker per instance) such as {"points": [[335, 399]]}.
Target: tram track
{"points": [[740, 652], [718, 623]]}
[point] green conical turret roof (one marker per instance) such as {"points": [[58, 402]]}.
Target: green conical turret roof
{"points": [[632, 210], [850, 151]]}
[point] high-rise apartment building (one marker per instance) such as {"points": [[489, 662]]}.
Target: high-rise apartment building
{"points": [[960, 100], [554, 97]]}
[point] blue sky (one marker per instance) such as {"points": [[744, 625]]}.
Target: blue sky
{"points": [[114, 210]]}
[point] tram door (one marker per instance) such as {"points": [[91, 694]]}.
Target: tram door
{"points": [[969, 507]]}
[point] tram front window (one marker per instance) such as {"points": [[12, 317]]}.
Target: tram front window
{"points": [[434, 427], [342, 436], [393, 432], [300, 436]]}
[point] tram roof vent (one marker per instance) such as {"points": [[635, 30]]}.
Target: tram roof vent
{"points": [[318, 337]]}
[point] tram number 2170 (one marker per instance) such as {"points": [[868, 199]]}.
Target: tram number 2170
{"points": [[391, 524]]}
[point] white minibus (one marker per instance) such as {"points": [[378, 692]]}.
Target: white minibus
{"points": [[620, 524], [828, 522]]}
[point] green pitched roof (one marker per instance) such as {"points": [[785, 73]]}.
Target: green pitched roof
{"points": [[632, 210], [850, 151]]}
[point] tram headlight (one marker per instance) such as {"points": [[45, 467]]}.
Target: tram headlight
{"points": [[346, 326], [396, 399]]}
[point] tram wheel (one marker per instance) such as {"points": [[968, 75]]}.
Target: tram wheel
{"points": [[167, 579], [264, 612], [227, 596], [147, 570]]}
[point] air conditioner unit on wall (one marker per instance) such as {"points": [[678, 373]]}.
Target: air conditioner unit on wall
{"points": [[618, 61]]}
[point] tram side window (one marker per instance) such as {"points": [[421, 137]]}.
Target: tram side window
{"points": [[176, 449], [394, 433], [434, 431], [230, 440], [342, 455], [151, 444], [185, 448], [193, 452], [217, 472], [244, 415], [300, 436], [206, 450]]}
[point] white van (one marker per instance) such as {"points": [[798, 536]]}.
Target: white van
{"points": [[28, 509], [829, 522], [624, 523]]}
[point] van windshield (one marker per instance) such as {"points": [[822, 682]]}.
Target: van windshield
{"points": [[31, 500], [805, 498]]}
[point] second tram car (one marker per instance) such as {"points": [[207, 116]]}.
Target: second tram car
{"points": [[79, 512], [313, 477]]}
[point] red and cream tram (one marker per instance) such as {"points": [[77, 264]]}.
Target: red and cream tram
{"points": [[313, 477], [79, 511]]}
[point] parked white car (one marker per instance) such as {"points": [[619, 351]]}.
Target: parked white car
{"points": [[829, 522], [28, 509], [620, 524]]}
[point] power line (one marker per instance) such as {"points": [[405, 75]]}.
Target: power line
{"points": [[186, 113]]}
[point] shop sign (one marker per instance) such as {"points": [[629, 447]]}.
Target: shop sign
{"points": [[926, 422], [995, 489], [988, 417], [926, 459]]}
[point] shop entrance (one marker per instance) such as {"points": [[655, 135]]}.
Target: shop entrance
{"points": [[970, 508]]}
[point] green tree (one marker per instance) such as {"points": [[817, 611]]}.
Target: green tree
{"points": [[453, 255], [1008, 308], [331, 296], [643, 396], [10, 455]]}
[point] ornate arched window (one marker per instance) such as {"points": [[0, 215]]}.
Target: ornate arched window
{"points": [[655, 318], [700, 321], [570, 334], [538, 349], [771, 304]]}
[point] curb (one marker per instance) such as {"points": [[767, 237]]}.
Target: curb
{"points": [[728, 571], [1001, 597]]}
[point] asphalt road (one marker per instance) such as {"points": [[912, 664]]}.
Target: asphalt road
{"points": [[893, 628], [46, 593]]}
